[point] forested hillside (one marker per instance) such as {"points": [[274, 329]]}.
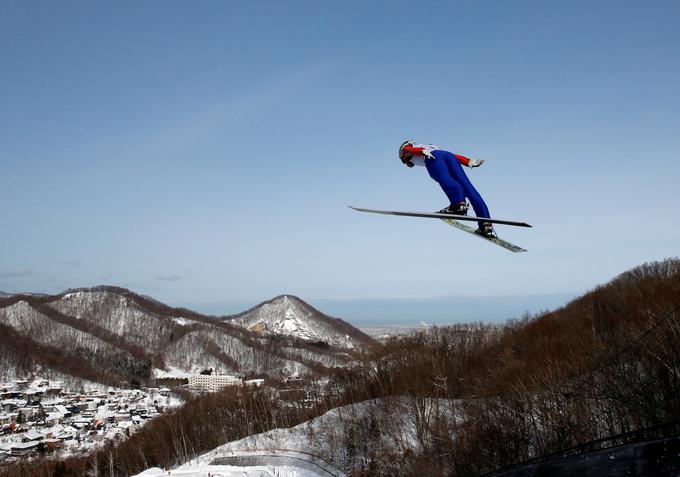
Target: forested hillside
{"points": [[605, 364]]}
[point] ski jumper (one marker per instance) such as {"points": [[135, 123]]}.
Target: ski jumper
{"points": [[446, 169]]}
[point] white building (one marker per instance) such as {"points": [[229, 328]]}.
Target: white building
{"points": [[213, 382]]}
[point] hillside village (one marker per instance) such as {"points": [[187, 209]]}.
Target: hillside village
{"points": [[40, 417]]}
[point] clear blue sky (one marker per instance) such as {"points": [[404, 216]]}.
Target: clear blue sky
{"points": [[205, 152]]}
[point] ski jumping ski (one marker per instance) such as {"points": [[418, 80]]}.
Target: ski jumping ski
{"points": [[453, 220], [440, 215], [471, 230]]}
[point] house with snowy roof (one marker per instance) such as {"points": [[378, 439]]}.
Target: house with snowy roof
{"points": [[7, 418], [33, 436], [54, 418], [25, 448]]}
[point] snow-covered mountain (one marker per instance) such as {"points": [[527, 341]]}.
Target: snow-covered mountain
{"points": [[288, 315], [113, 334]]}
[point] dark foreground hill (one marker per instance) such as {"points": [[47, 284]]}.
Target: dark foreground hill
{"points": [[605, 364]]}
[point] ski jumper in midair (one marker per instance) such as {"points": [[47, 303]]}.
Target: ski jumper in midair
{"points": [[446, 169]]}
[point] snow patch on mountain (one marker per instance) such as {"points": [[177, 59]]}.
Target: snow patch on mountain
{"points": [[182, 321], [292, 325]]}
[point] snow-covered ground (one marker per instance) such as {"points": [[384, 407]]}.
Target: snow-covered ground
{"points": [[238, 471], [328, 445]]}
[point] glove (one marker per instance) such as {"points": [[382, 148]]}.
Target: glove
{"points": [[475, 162]]}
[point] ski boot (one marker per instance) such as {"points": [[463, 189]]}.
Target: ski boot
{"points": [[460, 208], [486, 230]]}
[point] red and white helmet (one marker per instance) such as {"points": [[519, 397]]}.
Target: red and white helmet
{"points": [[401, 150]]}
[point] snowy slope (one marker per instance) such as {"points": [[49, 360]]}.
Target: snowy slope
{"points": [[280, 465], [288, 315], [341, 440], [118, 314], [27, 321]]}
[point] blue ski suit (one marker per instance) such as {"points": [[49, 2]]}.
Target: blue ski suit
{"points": [[449, 174], [446, 169]]}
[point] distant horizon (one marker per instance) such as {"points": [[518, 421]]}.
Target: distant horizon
{"points": [[389, 311], [386, 311]]}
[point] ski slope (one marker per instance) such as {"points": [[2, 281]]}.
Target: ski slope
{"points": [[345, 438]]}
